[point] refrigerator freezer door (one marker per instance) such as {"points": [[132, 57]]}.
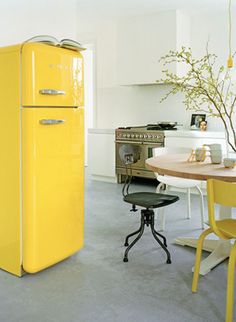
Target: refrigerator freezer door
{"points": [[52, 185], [51, 76]]}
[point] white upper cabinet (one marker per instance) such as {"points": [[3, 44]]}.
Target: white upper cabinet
{"points": [[142, 40]]}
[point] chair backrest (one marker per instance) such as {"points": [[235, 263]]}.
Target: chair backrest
{"points": [[221, 193], [163, 151]]}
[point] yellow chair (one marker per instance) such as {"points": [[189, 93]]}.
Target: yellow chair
{"points": [[222, 193]]}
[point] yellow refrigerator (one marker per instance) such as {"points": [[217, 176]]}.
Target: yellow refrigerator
{"points": [[42, 156]]}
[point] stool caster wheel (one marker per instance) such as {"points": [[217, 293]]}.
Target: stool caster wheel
{"points": [[168, 261], [126, 244], [125, 259]]}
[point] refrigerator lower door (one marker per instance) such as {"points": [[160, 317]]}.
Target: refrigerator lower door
{"points": [[52, 185]]}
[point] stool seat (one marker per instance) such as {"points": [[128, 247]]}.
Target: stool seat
{"points": [[150, 200]]}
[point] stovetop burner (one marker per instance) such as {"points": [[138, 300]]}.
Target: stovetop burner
{"points": [[150, 127], [159, 128], [132, 127], [166, 126]]}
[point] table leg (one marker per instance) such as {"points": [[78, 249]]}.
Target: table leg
{"points": [[218, 255], [219, 249], [209, 244]]}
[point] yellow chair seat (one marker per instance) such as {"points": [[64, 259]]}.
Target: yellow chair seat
{"points": [[227, 227]]}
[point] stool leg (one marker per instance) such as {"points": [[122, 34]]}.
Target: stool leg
{"points": [[135, 240], [168, 261], [130, 235], [160, 235]]}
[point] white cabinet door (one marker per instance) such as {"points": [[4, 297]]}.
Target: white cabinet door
{"points": [[191, 142], [101, 156], [142, 41]]}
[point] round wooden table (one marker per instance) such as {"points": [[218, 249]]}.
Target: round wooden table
{"points": [[177, 165]]}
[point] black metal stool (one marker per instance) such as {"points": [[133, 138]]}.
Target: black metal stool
{"points": [[130, 154], [150, 201]]}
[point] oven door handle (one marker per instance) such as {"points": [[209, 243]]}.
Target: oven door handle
{"points": [[129, 142], [157, 144], [142, 143]]}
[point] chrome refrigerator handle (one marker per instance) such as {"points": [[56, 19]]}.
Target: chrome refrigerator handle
{"points": [[51, 121], [47, 91]]}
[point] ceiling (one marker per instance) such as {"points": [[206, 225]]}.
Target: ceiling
{"points": [[122, 8]]}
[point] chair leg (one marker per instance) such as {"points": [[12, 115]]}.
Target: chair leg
{"points": [[130, 235], [125, 259], [168, 261], [198, 258], [188, 203], [161, 213], [230, 285], [158, 188], [201, 206]]}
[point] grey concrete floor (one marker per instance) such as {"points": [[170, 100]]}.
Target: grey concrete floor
{"points": [[95, 285]]}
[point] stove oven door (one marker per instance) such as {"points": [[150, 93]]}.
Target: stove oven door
{"points": [[139, 164], [138, 169]]}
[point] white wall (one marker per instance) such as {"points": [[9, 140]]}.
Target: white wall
{"points": [[22, 19], [138, 105], [115, 105]]}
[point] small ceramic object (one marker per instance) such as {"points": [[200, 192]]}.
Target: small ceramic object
{"points": [[215, 152], [214, 146], [200, 154], [229, 162], [216, 156]]}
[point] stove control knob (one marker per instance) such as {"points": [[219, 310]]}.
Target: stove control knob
{"points": [[124, 135], [141, 136], [137, 136], [128, 135], [132, 136], [149, 136], [145, 136]]}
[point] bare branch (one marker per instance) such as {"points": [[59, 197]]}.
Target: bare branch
{"points": [[205, 88]]}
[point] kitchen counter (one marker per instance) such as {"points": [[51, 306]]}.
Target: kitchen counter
{"points": [[195, 134], [101, 148], [176, 133]]}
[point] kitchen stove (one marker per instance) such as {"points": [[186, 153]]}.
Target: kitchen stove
{"points": [[147, 138]]}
